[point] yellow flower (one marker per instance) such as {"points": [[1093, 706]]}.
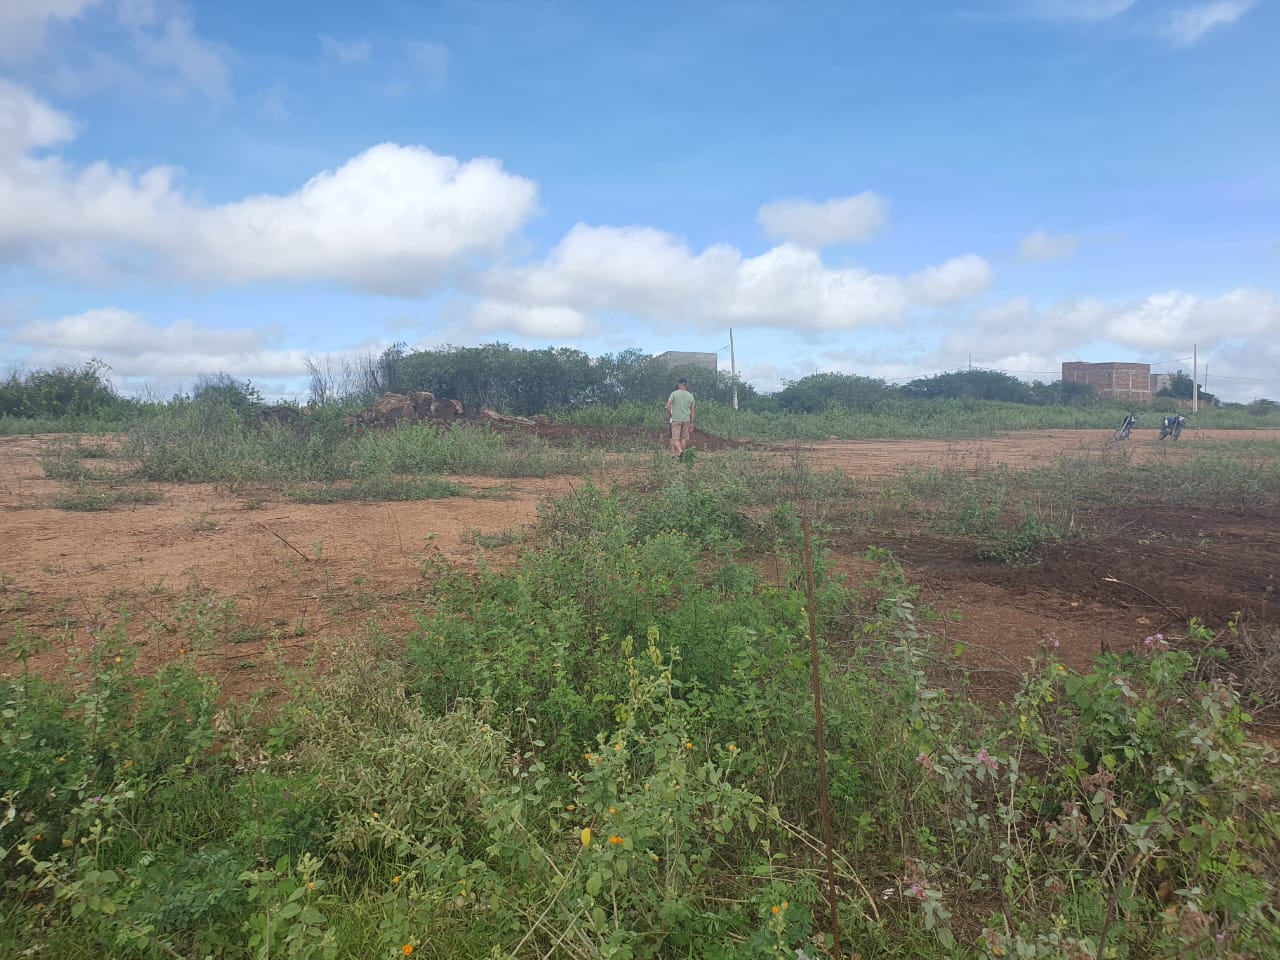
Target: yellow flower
{"points": [[117, 659], [586, 836], [395, 879], [688, 745], [733, 748], [569, 807], [617, 746], [311, 885], [613, 809]]}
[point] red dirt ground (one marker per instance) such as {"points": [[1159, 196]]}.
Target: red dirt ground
{"points": [[302, 576]]}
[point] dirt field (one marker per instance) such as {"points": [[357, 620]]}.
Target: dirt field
{"points": [[301, 576]]}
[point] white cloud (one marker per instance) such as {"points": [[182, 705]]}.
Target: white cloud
{"points": [[23, 24], [28, 123], [165, 357], [1186, 26], [1177, 319], [1018, 335], [393, 219], [432, 59], [1039, 246], [351, 51], [158, 51], [956, 281], [644, 272], [838, 220], [164, 41], [529, 321]]}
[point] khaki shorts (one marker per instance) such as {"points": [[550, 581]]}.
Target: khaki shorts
{"points": [[681, 432]]}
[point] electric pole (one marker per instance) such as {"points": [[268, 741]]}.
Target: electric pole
{"points": [[1195, 380], [733, 370]]}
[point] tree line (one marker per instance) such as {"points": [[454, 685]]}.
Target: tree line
{"points": [[525, 381]]}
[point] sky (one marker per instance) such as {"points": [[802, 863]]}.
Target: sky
{"points": [[892, 189]]}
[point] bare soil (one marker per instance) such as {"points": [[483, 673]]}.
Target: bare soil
{"points": [[303, 576]]}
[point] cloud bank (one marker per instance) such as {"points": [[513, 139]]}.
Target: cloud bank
{"points": [[393, 219]]}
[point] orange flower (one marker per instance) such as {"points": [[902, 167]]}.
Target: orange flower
{"points": [[395, 879], [407, 949]]}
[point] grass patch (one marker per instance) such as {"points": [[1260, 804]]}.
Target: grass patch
{"points": [[492, 540], [89, 497], [379, 489]]}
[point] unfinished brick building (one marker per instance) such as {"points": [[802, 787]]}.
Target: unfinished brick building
{"points": [[1112, 381]]}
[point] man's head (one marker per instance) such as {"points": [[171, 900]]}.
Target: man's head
{"points": [[682, 384]]}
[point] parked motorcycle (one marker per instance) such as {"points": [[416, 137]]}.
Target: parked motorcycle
{"points": [[1126, 428], [1172, 426]]}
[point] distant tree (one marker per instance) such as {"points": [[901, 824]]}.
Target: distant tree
{"points": [[970, 385], [222, 389], [818, 391], [61, 392], [1062, 393], [1262, 407], [1181, 387]]}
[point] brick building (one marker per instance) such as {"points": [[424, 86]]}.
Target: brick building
{"points": [[1112, 381]]}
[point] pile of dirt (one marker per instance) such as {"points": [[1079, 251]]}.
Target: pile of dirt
{"points": [[393, 409]]}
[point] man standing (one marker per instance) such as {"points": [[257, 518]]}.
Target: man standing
{"points": [[680, 414]]}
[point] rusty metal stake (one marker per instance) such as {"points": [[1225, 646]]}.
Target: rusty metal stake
{"points": [[822, 745]]}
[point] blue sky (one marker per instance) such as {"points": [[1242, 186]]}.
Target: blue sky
{"points": [[892, 189]]}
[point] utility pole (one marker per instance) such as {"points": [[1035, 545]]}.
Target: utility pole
{"points": [[1195, 380], [733, 370]]}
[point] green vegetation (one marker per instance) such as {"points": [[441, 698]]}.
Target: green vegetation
{"points": [[608, 751]]}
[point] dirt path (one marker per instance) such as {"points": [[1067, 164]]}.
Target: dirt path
{"points": [[257, 573]]}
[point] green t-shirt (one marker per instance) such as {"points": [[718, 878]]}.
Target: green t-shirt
{"points": [[681, 406]]}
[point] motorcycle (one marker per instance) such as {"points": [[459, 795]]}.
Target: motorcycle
{"points": [[1126, 428], [1172, 426]]}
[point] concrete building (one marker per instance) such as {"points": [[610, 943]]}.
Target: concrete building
{"points": [[1112, 381], [681, 358]]}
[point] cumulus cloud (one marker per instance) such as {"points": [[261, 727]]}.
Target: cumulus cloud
{"points": [[1186, 26], [838, 220], [1040, 246], [394, 219], [165, 357], [644, 272]]}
